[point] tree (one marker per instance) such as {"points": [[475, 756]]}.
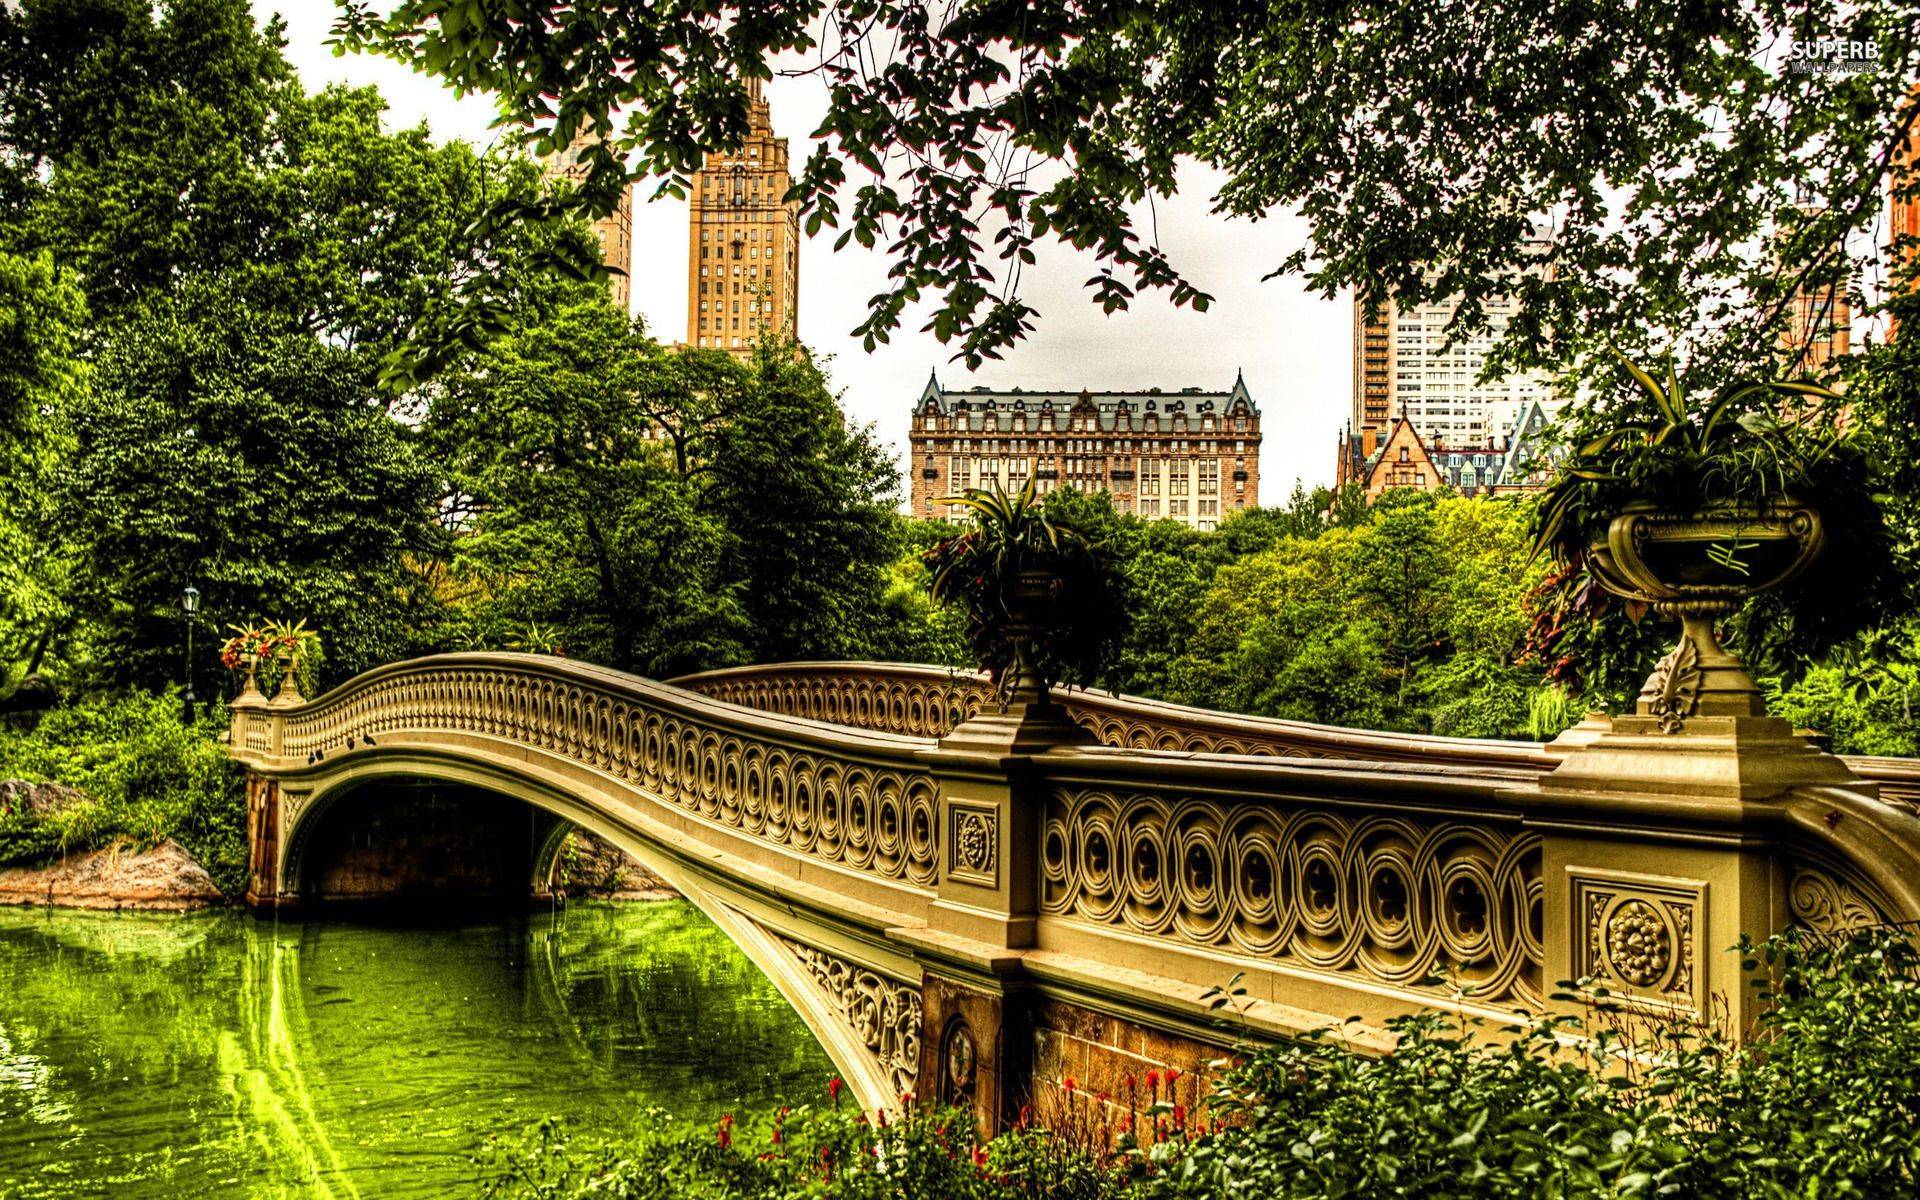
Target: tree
{"points": [[1398, 573], [226, 232], [140, 128], [217, 451], [42, 318], [577, 520], [806, 502], [1684, 176]]}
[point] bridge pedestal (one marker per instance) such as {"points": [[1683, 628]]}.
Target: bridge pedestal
{"points": [[1665, 843], [978, 1048], [263, 843]]}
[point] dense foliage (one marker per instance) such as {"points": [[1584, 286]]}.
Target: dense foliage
{"points": [[143, 775], [821, 1150], [1021, 573], [1821, 1100], [1663, 155], [203, 271]]}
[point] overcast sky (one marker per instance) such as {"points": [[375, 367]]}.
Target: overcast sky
{"points": [[1295, 348]]}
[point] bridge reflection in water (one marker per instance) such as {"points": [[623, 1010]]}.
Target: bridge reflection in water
{"points": [[215, 1056], [972, 902]]}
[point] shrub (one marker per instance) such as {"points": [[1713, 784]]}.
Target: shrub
{"points": [[145, 774], [832, 1150], [1822, 1100]]}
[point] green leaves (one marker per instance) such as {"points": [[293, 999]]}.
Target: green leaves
{"points": [[1654, 445], [1083, 619]]}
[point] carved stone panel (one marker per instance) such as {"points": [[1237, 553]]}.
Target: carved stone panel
{"points": [[885, 1014], [1830, 899], [973, 840], [1636, 935]]}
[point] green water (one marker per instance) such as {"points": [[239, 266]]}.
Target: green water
{"points": [[213, 1056]]}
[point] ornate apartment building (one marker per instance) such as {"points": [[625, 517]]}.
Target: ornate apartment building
{"points": [[1521, 461], [1191, 456], [615, 230], [743, 247]]}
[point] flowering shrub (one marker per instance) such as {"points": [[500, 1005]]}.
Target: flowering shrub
{"points": [[1824, 1100], [828, 1150], [275, 649]]}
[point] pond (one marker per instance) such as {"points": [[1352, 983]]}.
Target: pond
{"points": [[216, 1055]]}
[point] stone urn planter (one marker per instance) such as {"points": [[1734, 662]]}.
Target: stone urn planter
{"points": [[1697, 567], [1028, 596]]}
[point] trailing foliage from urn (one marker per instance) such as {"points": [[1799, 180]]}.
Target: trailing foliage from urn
{"points": [[1662, 443], [1074, 619], [1822, 1100], [1751, 443]]}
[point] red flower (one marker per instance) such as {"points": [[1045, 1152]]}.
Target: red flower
{"points": [[833, 1089], [725, 1132], [1069, 1085], [1172, 1076]]}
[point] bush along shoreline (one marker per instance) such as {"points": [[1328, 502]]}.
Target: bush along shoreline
{"points": [[1822, 1099], [118, 801]]}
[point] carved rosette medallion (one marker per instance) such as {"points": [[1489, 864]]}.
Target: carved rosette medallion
{"points": [[975, 837], [884, 1014], [1638, 938], [1638, 943], [975, 842]]}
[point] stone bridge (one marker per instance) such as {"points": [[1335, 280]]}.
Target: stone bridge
{"points": [[977, 902]]}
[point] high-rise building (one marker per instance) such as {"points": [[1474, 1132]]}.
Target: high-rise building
{"points": [[1192, 456], [1903, 206], [1372, 367], [1437, 387], [743, 247], [615, 230], [1819, 325]]}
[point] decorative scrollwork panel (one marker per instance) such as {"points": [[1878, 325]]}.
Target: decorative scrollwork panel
{"points": [[884, 1014], [1829, 899], [1394, 900]]}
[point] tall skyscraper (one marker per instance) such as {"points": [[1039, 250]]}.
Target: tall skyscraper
{"points": [[1437, 387], [615, 230], [1903, 215], [743, 247], [1372, 368]]}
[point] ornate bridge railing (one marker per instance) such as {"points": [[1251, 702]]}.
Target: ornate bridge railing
{"points": [[858, 800], [927, 875], [928, 701]]}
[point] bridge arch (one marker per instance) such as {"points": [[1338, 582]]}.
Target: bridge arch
{"points": [[858, 996]]}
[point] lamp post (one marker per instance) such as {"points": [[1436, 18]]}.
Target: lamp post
{"points": [[189, 605]]}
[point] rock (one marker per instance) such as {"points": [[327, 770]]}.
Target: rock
{"points": [[20, 795], [34, 694], [165, 877], [590, 866]]}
